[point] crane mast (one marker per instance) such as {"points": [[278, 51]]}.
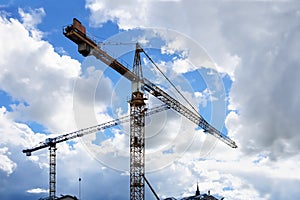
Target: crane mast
{"points": [[137, 131], [52, 171]]}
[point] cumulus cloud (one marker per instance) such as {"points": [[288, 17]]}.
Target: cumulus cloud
{"points": [[92, 95], [264, 89], [40, 83], [255, 43], [260, 46], [37, 70], [220, 183], [204, 97], [121, 12], [37, 190], [198, 21], [31, 19], [6, 164]]}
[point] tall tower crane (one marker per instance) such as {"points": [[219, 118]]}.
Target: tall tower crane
{"points": [[51, 143], [76, 32]]}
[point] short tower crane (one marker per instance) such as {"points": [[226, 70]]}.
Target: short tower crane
{"points": [[51, 143]]}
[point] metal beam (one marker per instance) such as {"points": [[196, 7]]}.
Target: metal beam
{"points": [[52, 172], [137, 132], [151, 188]]}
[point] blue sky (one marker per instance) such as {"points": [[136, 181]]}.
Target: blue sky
{"points": [[236, 61]]}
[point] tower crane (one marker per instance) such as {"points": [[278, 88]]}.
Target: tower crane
{"points": [[51, 143], [76, 32]]}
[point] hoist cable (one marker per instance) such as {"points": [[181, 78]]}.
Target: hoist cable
{"points": [[186, 100]]}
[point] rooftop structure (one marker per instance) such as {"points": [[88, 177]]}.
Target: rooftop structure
{"points": [[63, 197], [197, 196], [67, 197]]}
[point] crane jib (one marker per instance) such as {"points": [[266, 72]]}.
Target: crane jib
{"points": [[93, 129], [181, 109]]}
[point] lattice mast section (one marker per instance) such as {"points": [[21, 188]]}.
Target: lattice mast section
{"points": [[52, 172], [137, 132]]}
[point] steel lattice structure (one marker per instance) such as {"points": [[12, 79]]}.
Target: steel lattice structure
{"points": [[52, 171], [137, 146], [137, 132]]}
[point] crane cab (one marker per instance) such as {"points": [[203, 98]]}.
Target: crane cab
{"points": [[28, 153]]}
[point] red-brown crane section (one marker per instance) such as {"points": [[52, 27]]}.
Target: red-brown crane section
{"points": [[77, 33]]}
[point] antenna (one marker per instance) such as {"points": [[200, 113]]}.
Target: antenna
{"points": [[79, 188]]}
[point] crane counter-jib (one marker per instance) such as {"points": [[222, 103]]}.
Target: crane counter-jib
{"points": [[86, 46]]}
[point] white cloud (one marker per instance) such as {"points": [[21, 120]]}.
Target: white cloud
{"points": [[16, 134], [6, 164], [205, 96], [182, 66], [263, 92], [117, 11], [93, 94], [256, 43], [179, 180], [37, 191], [31, 19], [15, 137], [40, 83], [198, 21], [40, 71]]}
